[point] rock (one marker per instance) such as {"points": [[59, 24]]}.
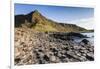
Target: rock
{"points": [[59, 54], [53, 58], [83, 51], [90, 56], [17, 52], [90, 49], [17, 60], [66, 48], [45, 57], [78, 54], [62, 58], [84, 54], [85, 41], [68, 55], [41, 61], [53, 49], [73, 34], [42, 48], [41, 54], [82, 58], [55, 53]]}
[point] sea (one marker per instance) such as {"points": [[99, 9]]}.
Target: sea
{"points": [[91, 38]]}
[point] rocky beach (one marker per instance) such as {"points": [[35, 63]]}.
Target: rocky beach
{"points": [[33, 47], [40, 40]]}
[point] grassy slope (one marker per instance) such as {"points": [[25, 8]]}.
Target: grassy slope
{"points": [[42, 24]]}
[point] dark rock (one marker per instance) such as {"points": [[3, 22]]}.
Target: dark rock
{"points": [[73, 34], [45, 57], [38, 57], [19, 19], [37, 54], [41, 62], [21, 43], [85, 41], [53, 50], [62, 57], [59, 35], [40, 50], [55, 53], [89, 58], [17, 60], [82, 58], [68, 55], [66, 48]]}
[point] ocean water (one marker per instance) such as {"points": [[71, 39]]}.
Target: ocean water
{"points": [[91, 38]]}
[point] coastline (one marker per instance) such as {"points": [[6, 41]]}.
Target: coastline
{"points": [[43, 48]]}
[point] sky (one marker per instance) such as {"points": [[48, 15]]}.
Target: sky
{"points": [[80, 16]]}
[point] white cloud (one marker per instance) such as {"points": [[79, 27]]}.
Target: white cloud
{"points": [[85, 23]]}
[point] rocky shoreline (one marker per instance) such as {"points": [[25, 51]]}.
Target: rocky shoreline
{"points": [[33, 47]]}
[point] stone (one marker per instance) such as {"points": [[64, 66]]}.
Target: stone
{"points": [[85, 41], [53, 50], [53, 58], [62, 58], [41, 61], [78, 54], [17, 60], [82, 58], [83, 51], [90, 56], [40, 50], [17, 52], [45, 57], [44, 49], [83, 54], [90, 49], [59, 54]]}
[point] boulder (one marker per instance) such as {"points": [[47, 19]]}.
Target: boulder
{"points": [[85, 41]]}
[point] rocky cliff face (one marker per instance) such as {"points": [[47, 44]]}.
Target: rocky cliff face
{"points": [[43, 48]]}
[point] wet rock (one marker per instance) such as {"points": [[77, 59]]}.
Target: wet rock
{"points": [[73, 34], [85, 41]]}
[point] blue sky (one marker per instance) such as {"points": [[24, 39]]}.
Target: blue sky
{"points": [[58, 13]]}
